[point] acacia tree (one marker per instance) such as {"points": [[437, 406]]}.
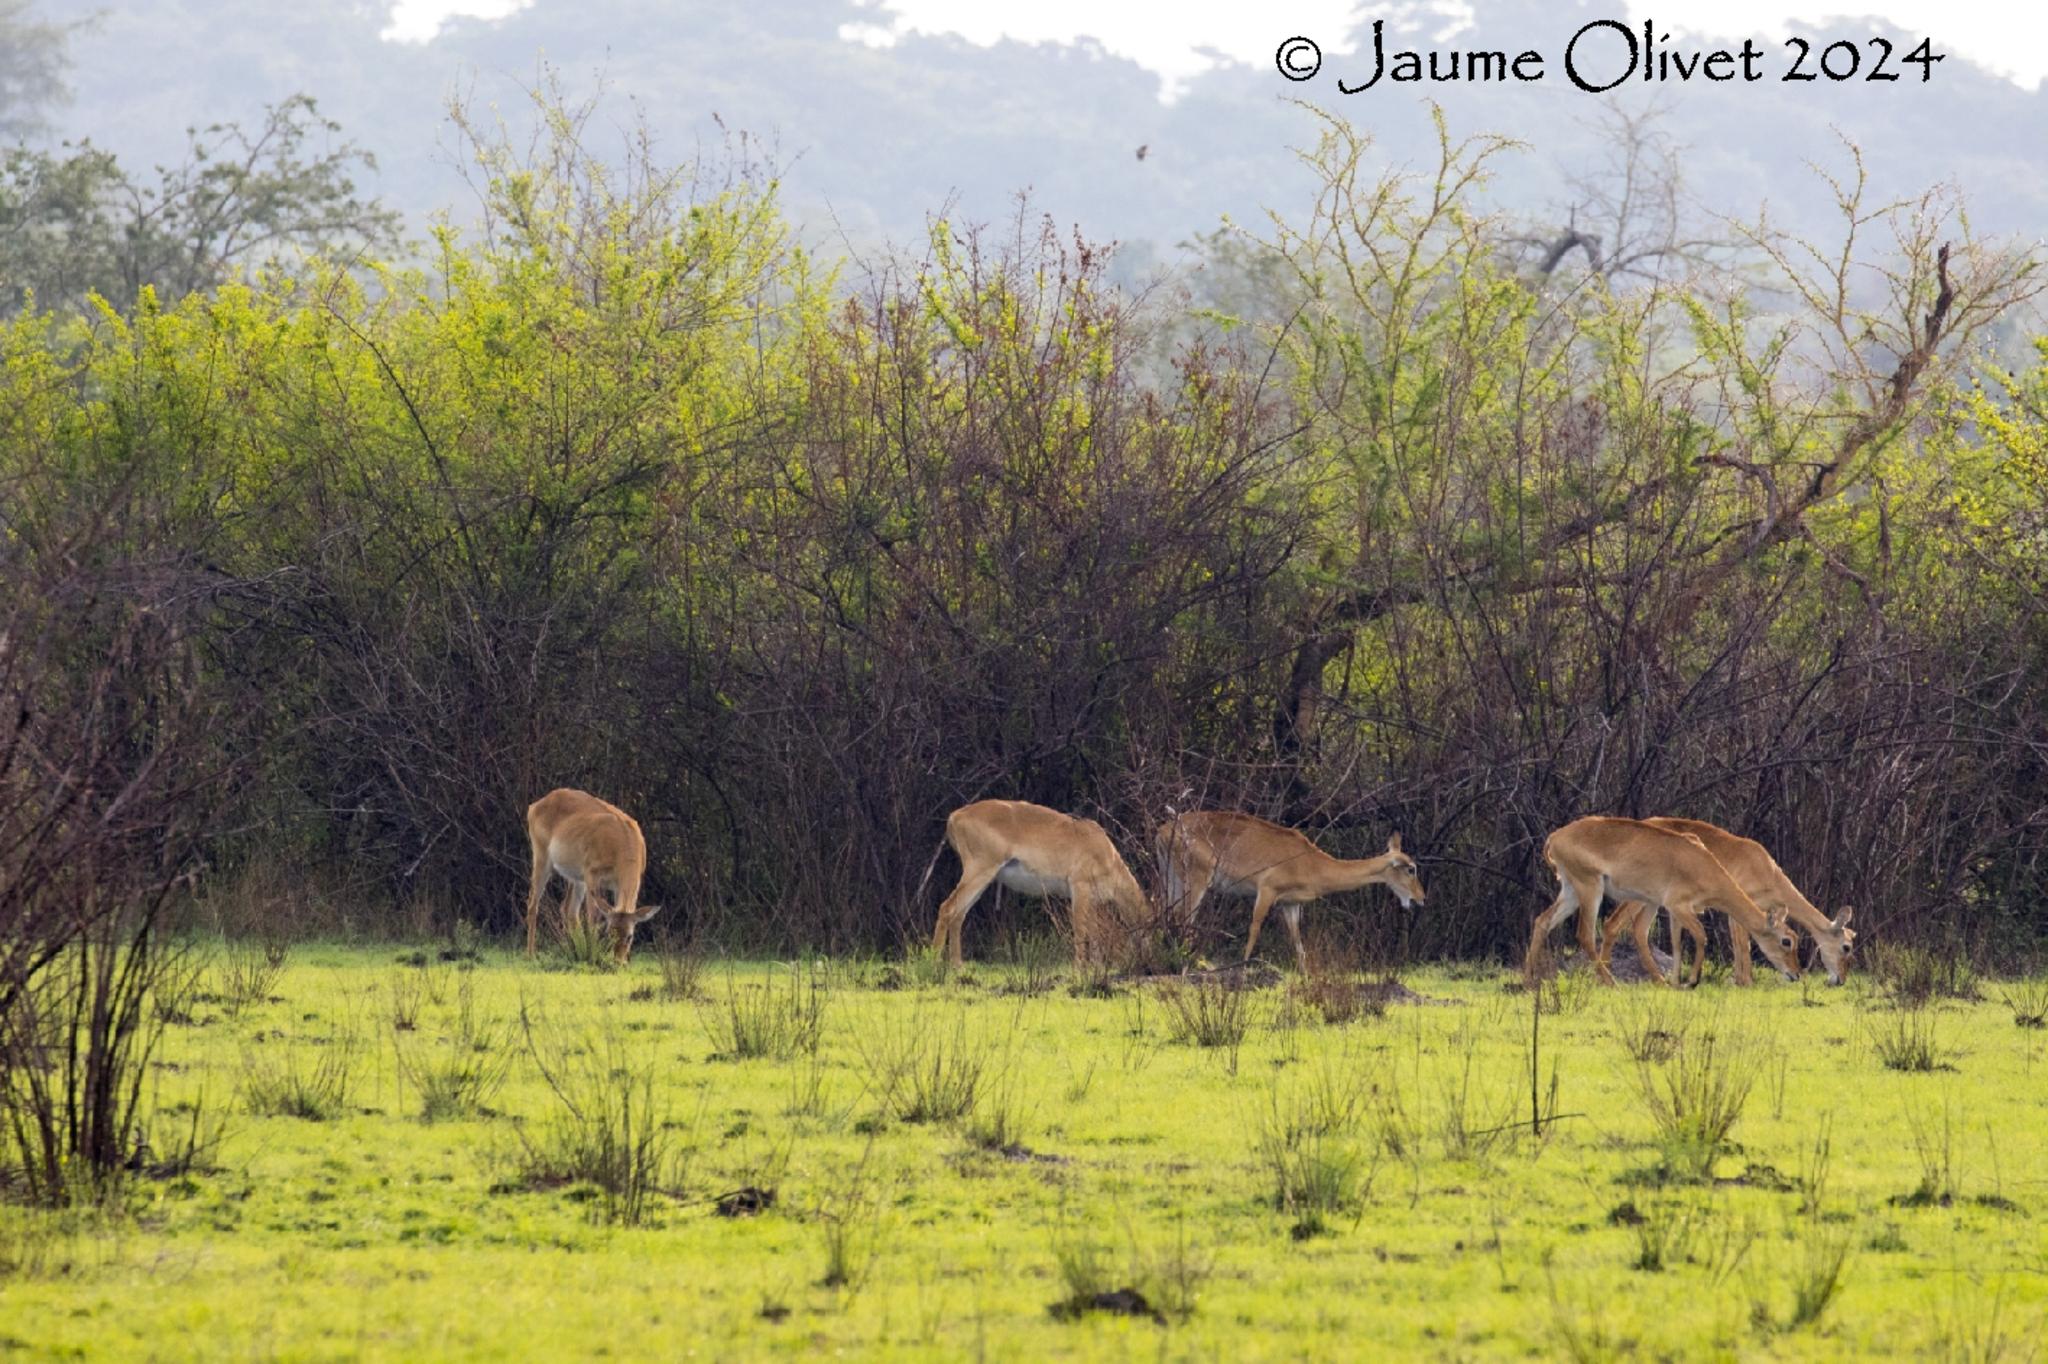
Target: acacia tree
{"points": [[1629, 220], [75, 222], [1563, 521]]}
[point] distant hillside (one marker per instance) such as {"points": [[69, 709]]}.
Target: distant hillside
{"points": [[876, 139]]}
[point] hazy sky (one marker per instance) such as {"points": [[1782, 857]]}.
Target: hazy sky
{"points": [[879, 114], [1178, 41]]}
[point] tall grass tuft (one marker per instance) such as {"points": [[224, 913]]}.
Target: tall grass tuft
{"points": [[1821, 1270], [925, 1071], [1207, 1013], [1651, 1026], [460, 1077], [1974, 1331], [1696, 1097], [807, 1088], [998, 1122], [850, 1219], [1565, 993], [1035, 957], [1582, 1333], [295, 1078], [1664, 1234], [1905, 1039], [1086, 1268], [768, 1020], [1477, 1115], [247, 972], [407, 993], [681, 959], [608, 1128], [1308, 1143], [2028, 1000], [178, 988], [584, 942], [180, 1138], [925, 969], [1934, 1147], [1817, 1166], [1916, 975], [1161, 1281], [1172, 1272]]}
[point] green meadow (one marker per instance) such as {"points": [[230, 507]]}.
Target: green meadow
{"points": [[377, 1152]]}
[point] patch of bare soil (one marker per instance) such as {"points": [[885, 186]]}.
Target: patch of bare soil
{"points": [[745, 1202], [1385, 992], [1128, 1302], [1259, 975], [1628, 967], [1248, 976]]}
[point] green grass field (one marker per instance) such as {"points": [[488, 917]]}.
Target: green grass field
{"points": [[954, 1163]]}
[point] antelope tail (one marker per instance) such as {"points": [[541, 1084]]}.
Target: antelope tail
{"points": [[929, 868]]}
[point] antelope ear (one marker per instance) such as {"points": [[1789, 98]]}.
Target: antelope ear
{"points": [[1842, 919], [1393, 843], [644, 913], [1777, 921]]}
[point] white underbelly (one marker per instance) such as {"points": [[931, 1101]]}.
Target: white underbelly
{"points": [[565, 865], [1020, 878]]}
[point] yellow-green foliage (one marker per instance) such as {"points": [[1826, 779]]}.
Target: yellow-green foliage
{"points": [[1110, 1158]]}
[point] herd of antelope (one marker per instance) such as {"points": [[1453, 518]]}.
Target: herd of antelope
{"points": [[1685, 867]]}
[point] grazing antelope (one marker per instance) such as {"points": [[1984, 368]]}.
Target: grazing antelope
{"points": [[1037, 852], [590, 844], [1248, 857], [1765, 882], [1599, 858]]}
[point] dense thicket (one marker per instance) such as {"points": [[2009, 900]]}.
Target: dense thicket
{"points": [[626, 493]]}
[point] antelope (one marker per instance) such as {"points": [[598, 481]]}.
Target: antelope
{"points": [[1765, 882], [1036, 852], [1597, 858], [590, 844], [1245, 856]]}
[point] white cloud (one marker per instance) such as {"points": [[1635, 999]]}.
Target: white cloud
{"points": [[420, 21]]}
